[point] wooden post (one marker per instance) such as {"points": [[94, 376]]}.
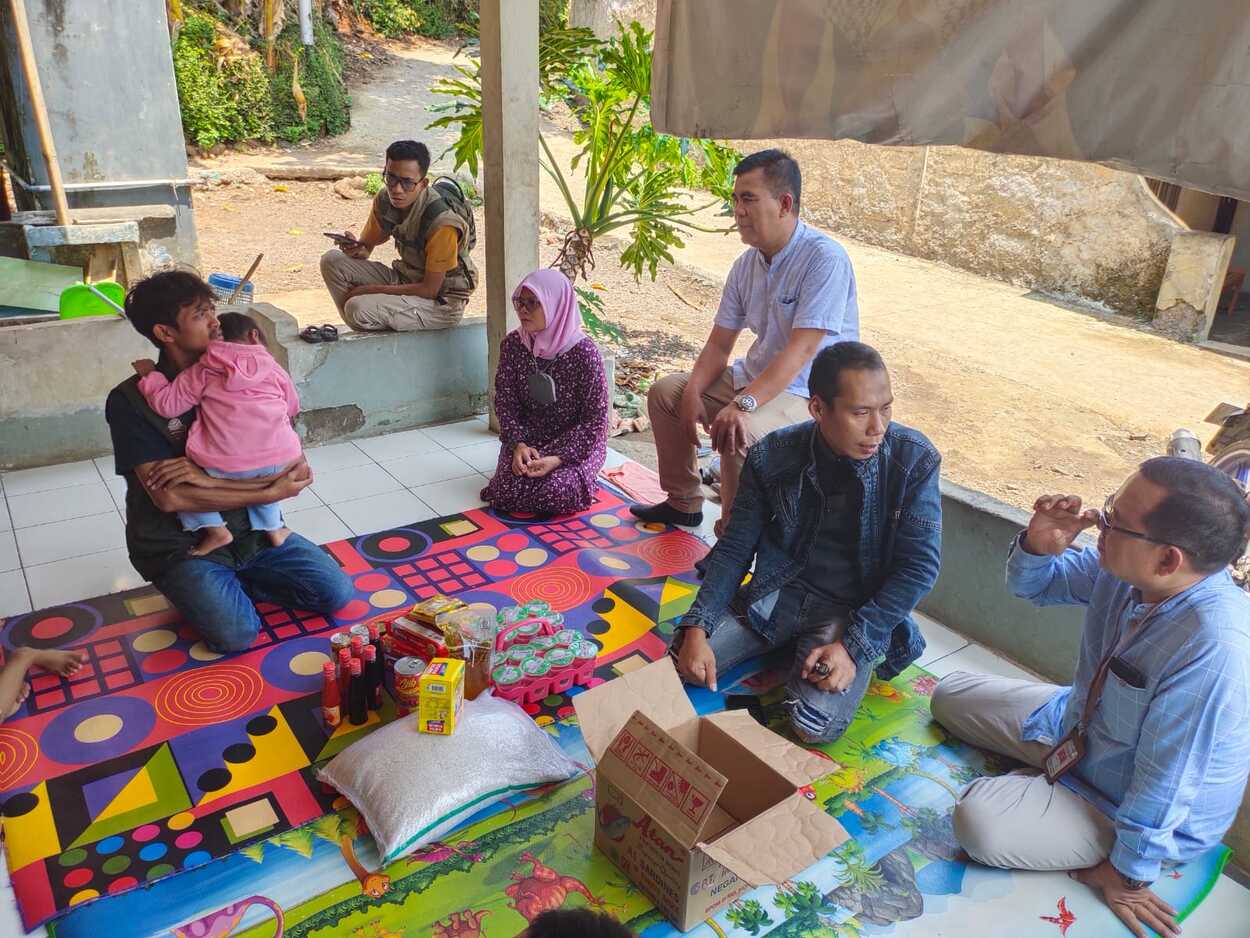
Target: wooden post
{"points": [[40, 109], [509, 35]]}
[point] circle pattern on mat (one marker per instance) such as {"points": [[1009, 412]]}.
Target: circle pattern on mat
{"points": [[391, 547], [154, 640], [67, 741], [614, 564], [18, 753], [150, 852], [388, 599], [531, 557], [161, 662], [563, 587], [482, 553], [671, 554], [201, 652], [161, 869], [84, 896], [22, 803], [53, 628], [208, 695], [295, 664]]}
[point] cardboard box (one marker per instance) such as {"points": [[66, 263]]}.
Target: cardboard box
{"points": [[697, 810], [441, 696]]}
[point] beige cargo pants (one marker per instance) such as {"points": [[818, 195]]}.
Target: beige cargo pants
{"points": [[378, 311]]}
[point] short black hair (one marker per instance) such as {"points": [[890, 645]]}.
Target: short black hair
{"points": [[410, 150], [825, 377], [156, 300], [236, 327], [1204, 513], [781, 171], [577, 923]]}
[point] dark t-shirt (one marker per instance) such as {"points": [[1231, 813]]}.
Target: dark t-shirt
{"points": [[155, 538], [832, 570]]}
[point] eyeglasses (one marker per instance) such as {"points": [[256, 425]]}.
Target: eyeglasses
{"points": [[1105, 524], [401, 182], [525, 302]]}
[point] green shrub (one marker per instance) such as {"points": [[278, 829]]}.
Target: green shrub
{"points": [[433, 18], [373, 183], [221, 100], [320, 78]]}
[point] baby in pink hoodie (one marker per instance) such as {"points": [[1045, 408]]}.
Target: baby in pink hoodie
{"points": [[243, 429]]}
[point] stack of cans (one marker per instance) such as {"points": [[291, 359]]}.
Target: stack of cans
{"points": [[536, 656]]}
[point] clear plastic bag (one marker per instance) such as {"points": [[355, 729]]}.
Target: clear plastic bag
{"points": [[411, 788]]}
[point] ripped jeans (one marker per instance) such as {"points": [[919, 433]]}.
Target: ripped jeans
{"points": [[816, 715]]}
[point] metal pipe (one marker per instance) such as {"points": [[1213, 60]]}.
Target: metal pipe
{"points": [[26, 51], [305, 22], [88, 186]]}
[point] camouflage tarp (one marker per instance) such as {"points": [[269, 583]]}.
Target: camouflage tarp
{"points": [[1161, 87]]}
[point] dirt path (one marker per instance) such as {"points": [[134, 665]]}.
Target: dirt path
{"points": [[1021, 394]]}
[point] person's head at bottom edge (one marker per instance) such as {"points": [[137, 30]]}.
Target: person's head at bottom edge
{"points": [[576, 923]]}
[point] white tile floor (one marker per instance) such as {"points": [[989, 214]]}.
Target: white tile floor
{"points": [[62, 538]]}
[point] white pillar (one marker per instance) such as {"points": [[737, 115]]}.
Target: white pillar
{"points": [[509, 34]]}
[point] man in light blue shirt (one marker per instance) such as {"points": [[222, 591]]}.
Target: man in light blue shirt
{"points": [[795, 290], [1160, 701]]}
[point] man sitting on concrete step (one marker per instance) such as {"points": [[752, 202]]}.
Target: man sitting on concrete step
{"points": [[842, 518], [1141, 763], [429, 285]]}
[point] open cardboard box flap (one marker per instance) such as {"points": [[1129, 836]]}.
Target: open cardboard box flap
{"points": [[667, 780], [797, 765], [655, 691], [777, 844]]}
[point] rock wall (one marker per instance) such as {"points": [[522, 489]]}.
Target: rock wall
{"points": [[1050, 225]]}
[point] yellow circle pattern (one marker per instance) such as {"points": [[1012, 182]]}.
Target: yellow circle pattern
{"points": [[309, 662], [388, 599], [531, 557], [482, 553], [201, 652], [154, 640], [83, 895], [614, 563], [98, 728], [181, 821], [605, 521]]}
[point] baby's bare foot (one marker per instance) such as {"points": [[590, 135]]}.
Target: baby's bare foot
{"points": [[64, 663], [278, 536], [210, 540], [17, 704]]}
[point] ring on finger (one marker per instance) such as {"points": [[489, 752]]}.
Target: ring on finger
{"points": [[821, 668]]}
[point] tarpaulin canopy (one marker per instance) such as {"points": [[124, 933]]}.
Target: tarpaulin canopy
{"points": [[1160, 87]]}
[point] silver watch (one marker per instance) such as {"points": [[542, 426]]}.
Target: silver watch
{"points": [[746, 403]]}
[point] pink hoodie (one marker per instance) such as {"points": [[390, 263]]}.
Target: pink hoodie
{"points": [[246, 404]]}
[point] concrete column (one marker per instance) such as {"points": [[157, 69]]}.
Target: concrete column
{"points": [[509, 33]]}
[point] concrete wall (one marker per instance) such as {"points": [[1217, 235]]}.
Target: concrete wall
{"points": [[54, 378], [971, 596], [1050, 225], [108, 78]]}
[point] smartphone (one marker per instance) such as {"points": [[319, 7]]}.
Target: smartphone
{"points": [[341, 239]]}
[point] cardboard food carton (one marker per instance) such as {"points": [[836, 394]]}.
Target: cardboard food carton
{"points": [[697, 810], [441, 696]]}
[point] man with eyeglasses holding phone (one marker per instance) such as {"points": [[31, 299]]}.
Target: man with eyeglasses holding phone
{"points": [[429, 284], [1142, 762]]}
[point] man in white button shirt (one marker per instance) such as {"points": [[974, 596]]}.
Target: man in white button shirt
{"points": [[795, 290]]}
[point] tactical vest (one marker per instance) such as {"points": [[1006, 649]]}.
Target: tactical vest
{"points": [[412, 229]]}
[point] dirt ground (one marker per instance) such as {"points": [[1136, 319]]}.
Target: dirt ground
{"points": [[1022, 394]]}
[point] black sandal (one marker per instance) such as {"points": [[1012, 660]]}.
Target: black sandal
{"points": [[329, 333], [312, 335]]}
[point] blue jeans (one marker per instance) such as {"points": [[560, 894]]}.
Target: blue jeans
{"points": [[259, 517], [220, 601], [816, 716]]}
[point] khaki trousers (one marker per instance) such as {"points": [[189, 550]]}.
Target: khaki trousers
{"points": [[378, 311], [1017, 821], [679, 463]]}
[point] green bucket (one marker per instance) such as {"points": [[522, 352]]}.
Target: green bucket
{"points": [[78, 301]]}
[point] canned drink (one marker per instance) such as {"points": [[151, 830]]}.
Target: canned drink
{"points": [[567, 638], [408, 673], [340, 640], [362, 630]]}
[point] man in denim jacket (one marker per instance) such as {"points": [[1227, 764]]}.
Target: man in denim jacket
{"points": [[842, 518]]}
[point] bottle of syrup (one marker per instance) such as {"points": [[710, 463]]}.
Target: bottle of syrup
{"points": [[357, 702]]}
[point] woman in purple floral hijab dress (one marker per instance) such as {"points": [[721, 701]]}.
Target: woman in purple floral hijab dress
{"points": [[551, 397]]}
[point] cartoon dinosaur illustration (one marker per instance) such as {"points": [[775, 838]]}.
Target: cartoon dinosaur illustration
{"points": [[373, 885], [1064, 919], [224, 921], [439, 851], [463, 924], [543, 889]]}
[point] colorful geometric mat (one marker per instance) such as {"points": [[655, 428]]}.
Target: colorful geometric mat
{"points": [[891, 785], [161, 756]]}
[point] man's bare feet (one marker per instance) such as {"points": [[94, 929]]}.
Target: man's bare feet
{"points": [[210, 540], [277, 537], [63, 663]]}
